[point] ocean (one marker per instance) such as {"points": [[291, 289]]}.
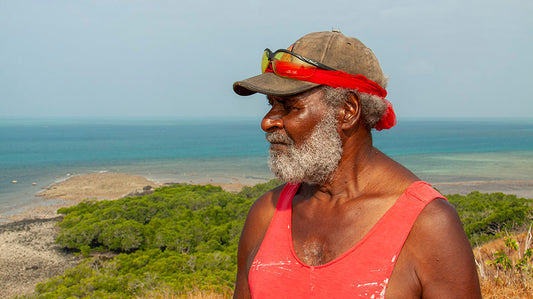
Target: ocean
{"points": [[36, 153]]}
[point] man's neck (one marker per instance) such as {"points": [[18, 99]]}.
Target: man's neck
{"points": [[354, 173]]}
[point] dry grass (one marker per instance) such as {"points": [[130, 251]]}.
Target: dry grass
{"points": [[195, 294], [498, 282]]}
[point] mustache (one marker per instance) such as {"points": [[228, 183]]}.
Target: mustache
{"points": [[278, 137]]}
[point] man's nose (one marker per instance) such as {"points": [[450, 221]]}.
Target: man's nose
{"points": [[272, 121]]}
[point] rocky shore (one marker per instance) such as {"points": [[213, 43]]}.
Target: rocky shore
{"points": [[28, 253]]}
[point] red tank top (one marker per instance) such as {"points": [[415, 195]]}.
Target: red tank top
{"points": [[362, 271]]}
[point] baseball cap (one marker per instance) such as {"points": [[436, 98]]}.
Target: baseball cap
{"points": [[330, 48]]}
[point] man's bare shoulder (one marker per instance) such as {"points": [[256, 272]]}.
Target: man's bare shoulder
{"points": [[265, 205], [438, 222], [258, 220], [440, 253]]}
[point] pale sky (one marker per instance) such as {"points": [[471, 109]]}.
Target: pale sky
{"points": [[179, 59]]}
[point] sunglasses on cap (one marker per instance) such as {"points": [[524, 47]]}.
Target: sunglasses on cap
{"points": [[289, 64]]}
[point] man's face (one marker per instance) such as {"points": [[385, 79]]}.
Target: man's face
{"points": [[305, 144]]}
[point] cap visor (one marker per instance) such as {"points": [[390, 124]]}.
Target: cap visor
{"points": [[271, 84]]}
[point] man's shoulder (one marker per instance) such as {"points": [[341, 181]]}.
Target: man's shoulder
{"points": [[440, 252], [267, 202], [436, 258], [262, 210], [436, 229], [257, 224], [439, 214]]}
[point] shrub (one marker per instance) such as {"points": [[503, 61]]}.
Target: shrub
{"points": [[180, 238], [485, 216]]}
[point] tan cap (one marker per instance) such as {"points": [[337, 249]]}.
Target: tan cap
{"points": [[333, 49]]}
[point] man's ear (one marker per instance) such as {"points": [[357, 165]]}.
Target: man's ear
{"points": [[351, 112]]}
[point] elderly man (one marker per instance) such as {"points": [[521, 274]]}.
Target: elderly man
{"points": [[350, 221]]}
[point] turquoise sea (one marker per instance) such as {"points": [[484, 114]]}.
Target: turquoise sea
{"points": [[46, 151]]}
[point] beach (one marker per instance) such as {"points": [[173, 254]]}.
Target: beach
{"points": [[29, 254]]}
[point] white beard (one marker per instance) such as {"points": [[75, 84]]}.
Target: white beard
{"points": [[314, 161]]}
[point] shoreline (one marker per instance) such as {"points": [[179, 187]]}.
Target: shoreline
{"points": [[27, 239], [50, 199], [520, 188], [99, 186]]}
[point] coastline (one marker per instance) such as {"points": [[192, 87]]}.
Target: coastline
{"points": [[29, 254], [27, 239]]}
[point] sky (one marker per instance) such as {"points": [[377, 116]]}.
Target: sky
{"points": [[155, 59]]}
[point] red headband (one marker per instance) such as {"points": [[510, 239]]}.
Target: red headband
{"points": [[340, 79]]}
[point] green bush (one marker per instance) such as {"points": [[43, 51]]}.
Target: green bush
{"points": [[181, 237], [485, 216], [185, 237]]}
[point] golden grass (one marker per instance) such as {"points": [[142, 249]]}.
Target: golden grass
{"points": [[164, 293], [196, 295], [498, 282]]}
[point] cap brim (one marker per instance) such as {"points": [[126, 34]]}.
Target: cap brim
{"points": [[271, 84]]}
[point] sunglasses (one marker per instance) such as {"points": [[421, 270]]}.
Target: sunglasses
{"points": [[288, 64]]}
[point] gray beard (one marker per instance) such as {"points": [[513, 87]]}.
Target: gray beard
{"points": [[314, 161]]}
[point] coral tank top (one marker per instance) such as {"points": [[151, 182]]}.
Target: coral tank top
{"points": [[361, 272]]}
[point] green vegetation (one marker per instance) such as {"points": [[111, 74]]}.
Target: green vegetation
{"points": [[503, 259], [185, 237], [486, 217], [180, 238]]}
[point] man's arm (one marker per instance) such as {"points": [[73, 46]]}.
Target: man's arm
{"points": [[253, 232], [443, 260]]}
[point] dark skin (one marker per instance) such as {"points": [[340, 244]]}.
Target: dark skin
{"points": [[327, 220]]}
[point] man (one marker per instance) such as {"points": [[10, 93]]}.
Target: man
{"points": [[350, 222]]}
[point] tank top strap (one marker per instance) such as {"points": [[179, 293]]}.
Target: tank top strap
{"points": [[275, 248], [285, 198], [423, 191]]}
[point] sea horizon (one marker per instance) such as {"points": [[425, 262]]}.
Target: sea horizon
{"points": [[117, 119], [221, 151]]}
